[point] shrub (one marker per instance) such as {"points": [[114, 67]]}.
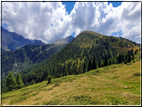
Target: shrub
{"points": [[137, 74]]}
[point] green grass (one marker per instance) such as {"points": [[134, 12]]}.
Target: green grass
{"points": [[117, 84]]}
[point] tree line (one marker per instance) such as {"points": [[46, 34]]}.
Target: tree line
{"points": [[76, 66]]}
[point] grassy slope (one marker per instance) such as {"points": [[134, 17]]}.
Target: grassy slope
{"points": [[114, 84]]}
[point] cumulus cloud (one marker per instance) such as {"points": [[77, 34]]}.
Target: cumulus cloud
{"points": [[49, 21], [106, 19], [33, 20]]}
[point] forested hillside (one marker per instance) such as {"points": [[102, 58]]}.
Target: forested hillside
{"points": [[26, 56], [89, 50]]}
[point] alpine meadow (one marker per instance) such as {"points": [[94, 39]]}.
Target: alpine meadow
{"points": [[73, 60]]}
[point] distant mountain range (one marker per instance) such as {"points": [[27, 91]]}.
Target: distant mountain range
{"points": [[13, 41], [64, 40]]}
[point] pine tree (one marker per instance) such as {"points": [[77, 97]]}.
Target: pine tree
{"points": [[105, 62], [129, 57], [19, 81], [94, 64], [132, 54], [125, 58], [109, 62], [99, 63], [10, 81], [89, 65], [84, 68], [33, 82], [119, 59]]}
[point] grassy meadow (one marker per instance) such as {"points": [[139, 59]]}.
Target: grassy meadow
{"points": [[117, 84]]}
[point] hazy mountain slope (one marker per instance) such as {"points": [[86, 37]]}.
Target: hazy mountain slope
{"points": [[27, 56], [13, 41], [117, 84], [88, 50], [64, 40]]}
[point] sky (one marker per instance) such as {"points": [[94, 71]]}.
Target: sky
{"points": [[48, 21]]}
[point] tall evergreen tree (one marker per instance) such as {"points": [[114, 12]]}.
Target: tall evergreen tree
{"points": [[33, 82], [125, 58], [129, 56], [94, 64], [10, 81], [89, 65], [19, 81], [99, 63], [84, 68], [106, 61], [109, 62]]}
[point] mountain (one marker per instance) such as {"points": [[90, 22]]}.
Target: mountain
{"points": [[27, 56], [13, 41], [64, 40], [106, 65], [89, 50]]}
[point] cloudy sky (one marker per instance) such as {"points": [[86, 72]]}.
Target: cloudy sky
{"points": [[48, 21]]}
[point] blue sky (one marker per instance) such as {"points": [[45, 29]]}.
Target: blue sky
{"points": [[70, 5], [115, 4]]}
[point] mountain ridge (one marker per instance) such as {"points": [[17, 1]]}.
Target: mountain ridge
{"points": [[13, 41]]}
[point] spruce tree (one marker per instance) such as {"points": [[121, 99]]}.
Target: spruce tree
{"points": [[89, 65], [109, 62], [125, 58], [10, 81], [84, 68], [19, 81], [105, 61], [33, 82], [94, 64], [99, 63], [129, 57]]}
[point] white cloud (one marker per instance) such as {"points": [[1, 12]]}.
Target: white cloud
{"points": [[34, 20], [106, 19]]}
